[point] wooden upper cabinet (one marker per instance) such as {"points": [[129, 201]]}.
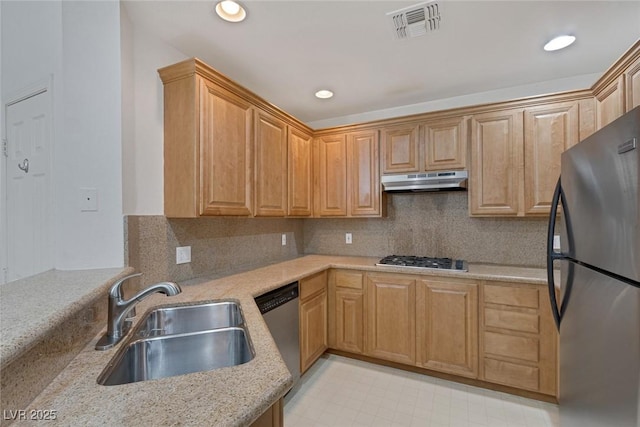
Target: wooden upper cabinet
{"points": [[549, 130], [364, 174], [331, 170], [425, 146], [225, 152], [632, 85], [610, 102], [270, 165], [300, 177], [347, 175], [618, 90], [400, 149], [207, 147], [225, 149], [496, 163], [445, 144]]}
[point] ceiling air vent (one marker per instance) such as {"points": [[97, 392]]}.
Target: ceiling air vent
{"points": [[416, 20]]}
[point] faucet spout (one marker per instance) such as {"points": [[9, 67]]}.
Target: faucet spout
{"points": [[168, 288], [119, 309]]}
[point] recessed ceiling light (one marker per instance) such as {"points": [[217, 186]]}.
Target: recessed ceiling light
{"points": [[324, 94], [231, 11], [559, 42]]}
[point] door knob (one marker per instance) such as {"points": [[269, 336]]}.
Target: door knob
{"points": [[24, 166]]}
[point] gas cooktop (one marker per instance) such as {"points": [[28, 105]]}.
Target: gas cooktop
{"points": [[423, 263]]}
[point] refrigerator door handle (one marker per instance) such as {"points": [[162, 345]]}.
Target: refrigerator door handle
{"points": [[556, 310]]}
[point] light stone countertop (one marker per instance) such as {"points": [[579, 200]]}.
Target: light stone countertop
{"points": [[29, 307], [233, 396]]}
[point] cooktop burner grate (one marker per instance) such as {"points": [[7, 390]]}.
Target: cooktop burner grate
{"points": [[423, 262]]}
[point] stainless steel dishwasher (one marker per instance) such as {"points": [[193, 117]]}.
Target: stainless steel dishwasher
{"points": [[279, 309]]}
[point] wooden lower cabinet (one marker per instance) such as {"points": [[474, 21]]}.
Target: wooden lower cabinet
{"points": [[447, 326], [272, 417], [518, 338], [493, 332], [346, 311], [391, 317], [313, 319]]}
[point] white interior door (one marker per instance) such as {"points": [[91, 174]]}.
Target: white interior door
{"points": [[28, 169]]}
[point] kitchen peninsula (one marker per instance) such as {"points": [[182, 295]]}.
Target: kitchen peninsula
{"points": [[229, 396]]}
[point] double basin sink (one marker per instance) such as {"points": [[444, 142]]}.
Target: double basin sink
{"points": [[181, 339]]}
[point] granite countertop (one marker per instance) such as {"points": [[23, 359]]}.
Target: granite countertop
{"points": [[230, 396], [27, 311]]}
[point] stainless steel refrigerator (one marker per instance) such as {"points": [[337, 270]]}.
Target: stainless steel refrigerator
{"points": [[598, 307]]}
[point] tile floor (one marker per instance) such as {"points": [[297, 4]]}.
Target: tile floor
{"points": [[339, 391]]}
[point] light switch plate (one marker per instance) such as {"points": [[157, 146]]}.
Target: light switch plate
{"points": [[284, 239], [348, 238], [556, 243], [183, 254]]}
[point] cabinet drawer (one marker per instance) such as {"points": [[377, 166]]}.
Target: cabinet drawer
{"points": [[313, 284], [515, 321], [511, 374], [518, 297], [512, 346], [347, 279]]}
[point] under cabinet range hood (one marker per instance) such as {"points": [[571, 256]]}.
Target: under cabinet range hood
{"points": [[426, 181]]}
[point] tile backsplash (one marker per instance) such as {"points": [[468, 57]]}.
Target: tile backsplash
{"points": [[219, 246], [435, 224]]}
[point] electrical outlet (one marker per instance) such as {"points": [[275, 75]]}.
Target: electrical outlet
{"points": [[183, 254], [556, 243], [348, 238], [284, 239]]}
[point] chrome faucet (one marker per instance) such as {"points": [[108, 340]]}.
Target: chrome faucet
{"points": [[120, 310]]}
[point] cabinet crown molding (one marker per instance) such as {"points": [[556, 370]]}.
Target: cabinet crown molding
{"points": [[194, 66], [617, 68]]}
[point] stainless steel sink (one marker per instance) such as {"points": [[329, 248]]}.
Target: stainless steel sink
{"points": [[189, 318], [170, 355], [179, 340]]}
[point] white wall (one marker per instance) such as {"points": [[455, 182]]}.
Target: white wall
{"points": [[500, 95], [78, 44], [143, 174], [90, 154]]}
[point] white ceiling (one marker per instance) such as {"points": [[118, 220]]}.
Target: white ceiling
{"points": [[286, 50]]}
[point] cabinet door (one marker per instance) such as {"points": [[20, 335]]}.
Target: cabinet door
{"points": [[225, 152], [610, 103], [270, 165], [349, 331], [331, 170], [496, 159], [632, 85], [549, 130], [300, 189], [364, 174], [447, 327], [445, 144], [313, 329], [272, 417], [391, 322], [400, 149]]}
